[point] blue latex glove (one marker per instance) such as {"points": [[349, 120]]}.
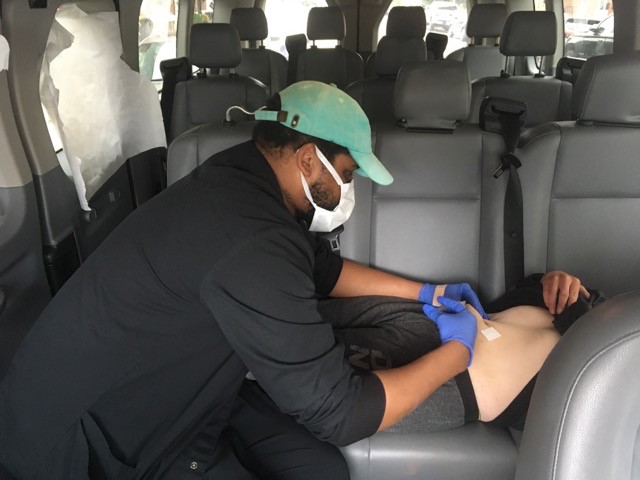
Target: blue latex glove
{"points": [[454, 291], [454, 322]]}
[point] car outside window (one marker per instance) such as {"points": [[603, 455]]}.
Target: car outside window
{"points": [[443, 16], [588, 28]]}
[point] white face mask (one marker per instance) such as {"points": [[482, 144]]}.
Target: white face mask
{"points": [[327, 220]]}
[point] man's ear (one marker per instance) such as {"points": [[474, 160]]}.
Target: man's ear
{"points": [[307, 160]]}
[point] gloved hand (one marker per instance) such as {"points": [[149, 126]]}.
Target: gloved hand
{"points": [[453, 291], [454, 322]]}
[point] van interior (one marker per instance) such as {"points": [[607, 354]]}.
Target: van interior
{"points": [[106, 103]]}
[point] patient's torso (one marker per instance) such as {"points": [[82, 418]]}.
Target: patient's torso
{"points": [[523, 337]]}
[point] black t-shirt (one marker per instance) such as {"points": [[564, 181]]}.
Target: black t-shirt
{"points": [[153, 335]]}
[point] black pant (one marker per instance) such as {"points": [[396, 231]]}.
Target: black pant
{"points": [[259, 443], [274, 447]]}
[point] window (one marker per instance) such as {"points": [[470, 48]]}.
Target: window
{"points": [[156, 36], [203, 11], [443, 16], [289, 17], [588, 28]]}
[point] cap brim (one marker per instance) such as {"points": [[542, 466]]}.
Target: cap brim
{"points": [[371, 167]]}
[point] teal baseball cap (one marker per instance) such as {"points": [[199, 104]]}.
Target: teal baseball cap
{"points": [[326, 112]]}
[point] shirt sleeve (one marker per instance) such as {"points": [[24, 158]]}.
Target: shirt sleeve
{"points": [[262, 297], [328, 266]]}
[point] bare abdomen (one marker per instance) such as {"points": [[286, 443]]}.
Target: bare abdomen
{"points": [[502, 367]]}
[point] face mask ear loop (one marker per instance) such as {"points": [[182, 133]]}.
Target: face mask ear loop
{"points": [[327, 164]]}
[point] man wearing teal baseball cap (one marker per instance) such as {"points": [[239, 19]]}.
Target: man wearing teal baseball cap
{"points": [[137, 368], [315, 137]]}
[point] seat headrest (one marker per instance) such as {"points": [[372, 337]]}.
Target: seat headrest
{"points": [[326, 23], [215, 45], [406, 22], [295, 43], [394, 52], [432, 95], [529, 34], [486, 20], [251, 23], [436, 44], [607, 90]]}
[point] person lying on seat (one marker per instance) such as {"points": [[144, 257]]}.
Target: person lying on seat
{"points": [[512, 343], [508, 348]]}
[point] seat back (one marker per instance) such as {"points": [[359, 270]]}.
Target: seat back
{"points": [[194, 147], [435, 222], [294, 45], [205, 98], [330, 65], [548, 99], [403, 44], [265, 65], [581, 181], [583, 419], [485, 22], [436, 44]]}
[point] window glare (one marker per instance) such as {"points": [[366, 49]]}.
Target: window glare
{"points": [[443, 16], [588, 28], [156, 35], [289, 17], [539, 5]]}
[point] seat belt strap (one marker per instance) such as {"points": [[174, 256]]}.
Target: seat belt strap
{"points": [[513, 205], [173, 71], [507, 118]]}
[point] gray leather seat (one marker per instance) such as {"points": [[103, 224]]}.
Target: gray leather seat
{"points": [[402, 44], [485, 22], [581, 181], [438, 195], [584, 416], [205, 99], [258, 62], [330, 65], [547, 98], [195, 146], [402, 23], [582, 214], [434, 222]]}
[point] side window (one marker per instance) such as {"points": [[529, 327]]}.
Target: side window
{"points": [[289, 17], [203, 11], [443, 16], [156, 36], [588, 28]]}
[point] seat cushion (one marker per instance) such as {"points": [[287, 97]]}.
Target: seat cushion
{"points": [[330, 65]]}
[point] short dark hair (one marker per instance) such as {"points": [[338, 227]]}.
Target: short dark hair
{"points": [[275, 136]]}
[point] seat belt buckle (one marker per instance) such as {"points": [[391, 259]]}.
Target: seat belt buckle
{"points": [[498, 171], [507, 160]]}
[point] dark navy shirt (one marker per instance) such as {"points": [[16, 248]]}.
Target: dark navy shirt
{"points": [[152, 337]]}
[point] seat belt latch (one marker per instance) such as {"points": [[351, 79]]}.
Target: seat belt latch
{"points": [[507, 160]]}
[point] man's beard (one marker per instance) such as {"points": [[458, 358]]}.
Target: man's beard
{"points": [[322, 198]]}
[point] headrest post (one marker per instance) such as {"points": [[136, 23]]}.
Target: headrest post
{"points": [[540, 74], [504, 73]]}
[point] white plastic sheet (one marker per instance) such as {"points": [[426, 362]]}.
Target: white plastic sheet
{"points": [[4, 54], [104, 111]]}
